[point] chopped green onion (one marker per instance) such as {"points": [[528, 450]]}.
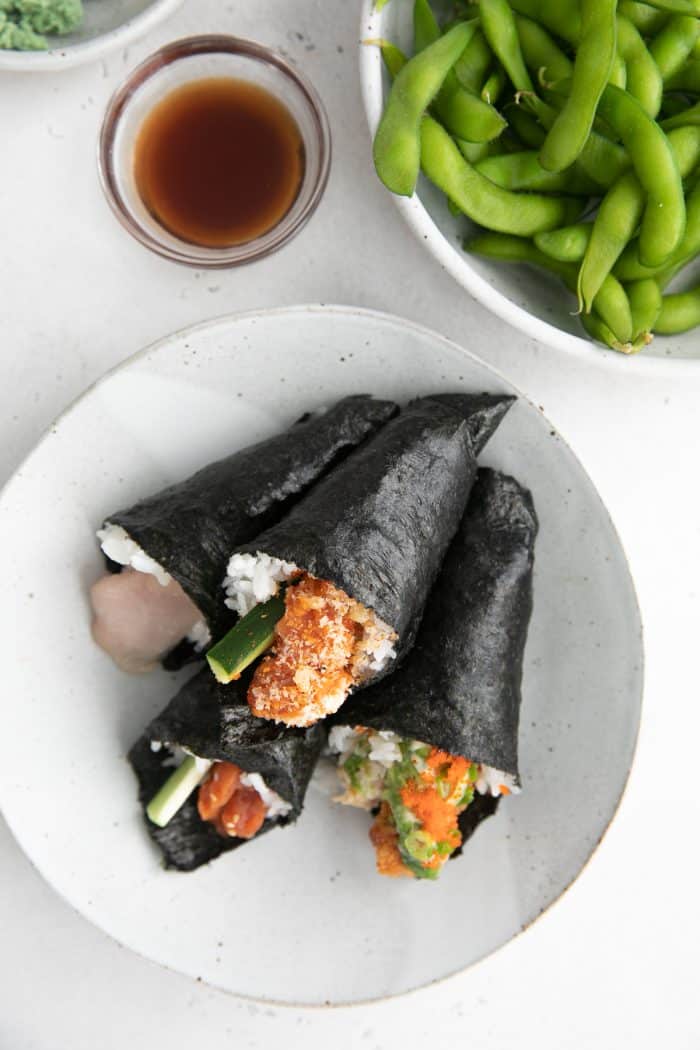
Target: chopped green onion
{"points": [[245, 642], [177, 789]]}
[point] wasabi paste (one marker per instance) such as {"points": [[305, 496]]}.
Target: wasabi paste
{"points": [[23, 23]]}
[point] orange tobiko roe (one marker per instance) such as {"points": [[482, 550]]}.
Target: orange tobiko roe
{"points": [[438, 815]]}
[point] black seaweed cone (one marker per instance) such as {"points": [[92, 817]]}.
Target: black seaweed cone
{"points": [[192, 528], [379, 524], [215, 722], [459, 689]]}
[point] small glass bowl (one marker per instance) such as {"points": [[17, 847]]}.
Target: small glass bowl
{"points": [[197, 58]]}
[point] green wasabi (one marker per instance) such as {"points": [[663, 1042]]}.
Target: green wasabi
{"points": [[23, 23]]}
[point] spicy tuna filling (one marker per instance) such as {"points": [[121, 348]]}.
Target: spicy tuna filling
{"points": [[420, 791], [237, 803], [324, 645]]}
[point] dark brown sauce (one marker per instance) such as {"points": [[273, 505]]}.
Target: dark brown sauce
{"points": [[219, 162]]}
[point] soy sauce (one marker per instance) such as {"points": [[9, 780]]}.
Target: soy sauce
{"points": [[219, 162]]}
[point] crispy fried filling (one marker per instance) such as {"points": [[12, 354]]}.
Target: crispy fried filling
{"points": [[325, 644], [235, 809]]}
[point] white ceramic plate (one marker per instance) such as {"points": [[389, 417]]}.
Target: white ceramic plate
{"points": [[300, 915], [107, 25], [527, 298]]}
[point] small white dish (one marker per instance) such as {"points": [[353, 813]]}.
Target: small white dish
{"points": [[299, 916], [530, 300], [107, 25]]}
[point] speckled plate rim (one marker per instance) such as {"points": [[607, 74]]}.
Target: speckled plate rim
{"points": [[381, 318], [77, 54], [428, 233]]}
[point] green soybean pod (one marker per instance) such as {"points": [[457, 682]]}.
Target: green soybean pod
{"points": [[629, 268], [687, 116], [493, 86], [645, 303], [463, 114], [611, 303], [671, 47], [485, 203], [525, 127], [643, 76], [592, 65], [656, 168], [648, 20], [680, 7], [679, 312], [396, 147], [687, 78], [498, 24], [426, 29], [567, 244], [542, 54], [561, 17], [601, 159], [392, 56], [618, 72], [598, 330], [620, 212], [472, 66], [523, 171], [473, 151], [619, 215]]}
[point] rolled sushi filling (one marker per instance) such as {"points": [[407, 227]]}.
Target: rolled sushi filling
{"points": [[236, 802], [324, 645], [142, 612], [420, 792]]}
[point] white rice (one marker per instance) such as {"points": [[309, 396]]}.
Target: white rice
{"points": [[118, 545], [276, 805], [253, 578]]}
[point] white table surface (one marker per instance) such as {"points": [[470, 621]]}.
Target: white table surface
{"points": [[615, 962]]}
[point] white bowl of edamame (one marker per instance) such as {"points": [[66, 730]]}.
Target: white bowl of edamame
{"points": [[528, 298], [105, 26]]}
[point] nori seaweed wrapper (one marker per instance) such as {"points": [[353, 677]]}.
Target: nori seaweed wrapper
{"points": [[214, 721], [482, 412], [459, 689], [379, 524], [191, 528]]}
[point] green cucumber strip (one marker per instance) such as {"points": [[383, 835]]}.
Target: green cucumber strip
{"points": [[177, 789], [245, 642]]}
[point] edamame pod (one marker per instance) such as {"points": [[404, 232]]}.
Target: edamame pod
{"points": [[485, 203], [679, 312], [656, 168], [645, 304], [561, 17], [619, 215], [672, 46], [592, 65], [523, 171], [397, 142], [498, 24], [567, 244], [643, 75], [611, 304], [542, 54], [629, 268], [648, 20]]}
